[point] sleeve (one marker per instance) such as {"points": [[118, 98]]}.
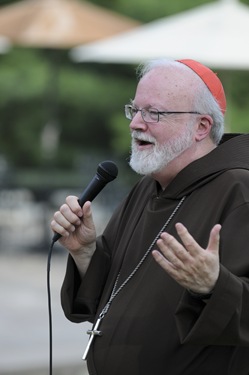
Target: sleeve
{"points": [[80, 298], [224, 318]]}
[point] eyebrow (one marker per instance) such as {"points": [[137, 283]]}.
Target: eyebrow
{"points": [[146, 107]]}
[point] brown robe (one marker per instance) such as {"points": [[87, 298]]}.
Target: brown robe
{"points": [[154, 326]]}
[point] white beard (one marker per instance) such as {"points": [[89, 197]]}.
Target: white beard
{"points": [[158, 157]]}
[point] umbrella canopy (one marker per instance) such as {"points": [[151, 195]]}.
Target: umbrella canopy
{"points": [[214, 34], [59, 23]]}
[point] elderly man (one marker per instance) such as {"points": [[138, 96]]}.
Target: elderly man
{"points": [[166, 285]]}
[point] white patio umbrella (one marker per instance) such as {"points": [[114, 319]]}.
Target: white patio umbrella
{"points": [[215, 34]]}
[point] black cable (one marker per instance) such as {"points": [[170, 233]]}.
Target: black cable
{"points": [[50, 310]]}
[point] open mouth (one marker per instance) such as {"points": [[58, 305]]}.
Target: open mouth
{"points": [[141, 142]]}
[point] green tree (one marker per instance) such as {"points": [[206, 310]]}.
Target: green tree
{"points": [[83, 103]]}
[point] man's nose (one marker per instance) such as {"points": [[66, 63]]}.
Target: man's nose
{"points": [[138, 123]]}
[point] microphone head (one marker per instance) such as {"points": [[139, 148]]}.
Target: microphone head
{"points": [[107, 170]]}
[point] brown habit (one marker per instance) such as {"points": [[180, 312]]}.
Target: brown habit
{"points": [[154, 326]]}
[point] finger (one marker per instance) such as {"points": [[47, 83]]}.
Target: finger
{"points": [[73, 203], [188, 241], [173, 271], [67, 215], [57, 228], [87, 210], [172, 249], [87, 215], [63, 223], [162, 261], [214, 239]]}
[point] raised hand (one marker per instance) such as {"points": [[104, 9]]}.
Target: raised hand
{"points": [[193, 267]]}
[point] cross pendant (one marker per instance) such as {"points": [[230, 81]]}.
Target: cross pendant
{"points": [[92, 332]]}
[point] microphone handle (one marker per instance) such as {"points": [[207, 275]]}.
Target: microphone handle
{"points": [[92, 190]]}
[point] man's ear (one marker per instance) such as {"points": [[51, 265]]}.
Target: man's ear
{"points": [[203, 128]]}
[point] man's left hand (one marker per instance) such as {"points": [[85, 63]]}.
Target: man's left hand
{"points": [[193, 267]]}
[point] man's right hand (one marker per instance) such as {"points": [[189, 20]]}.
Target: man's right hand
{"points": [[76, 226]]}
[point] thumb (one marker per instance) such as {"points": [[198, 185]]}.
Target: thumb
{"points": [[214, 239], [87, 214]]}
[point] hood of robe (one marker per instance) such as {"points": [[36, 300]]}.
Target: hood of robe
{"points": [[232, 153]]}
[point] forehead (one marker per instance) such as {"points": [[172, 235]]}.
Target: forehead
{"points": [[167, 86]]}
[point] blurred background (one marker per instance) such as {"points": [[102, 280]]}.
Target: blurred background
{"points": [[59, 118]]}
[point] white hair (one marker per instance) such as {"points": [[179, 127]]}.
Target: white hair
{"points": [[204, 101]]}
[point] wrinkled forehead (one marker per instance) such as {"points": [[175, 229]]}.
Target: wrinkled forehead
{"points": [[169, 86]]}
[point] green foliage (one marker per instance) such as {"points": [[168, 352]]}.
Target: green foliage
{"points": [[22, 75], [84, 103], [120, 141], [148, 10], [154, 9]]}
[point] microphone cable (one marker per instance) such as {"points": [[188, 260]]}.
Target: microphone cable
{"points": [[50, 324], [107, 171]]}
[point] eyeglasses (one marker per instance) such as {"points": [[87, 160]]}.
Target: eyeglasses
{"points": [[149, 115]]}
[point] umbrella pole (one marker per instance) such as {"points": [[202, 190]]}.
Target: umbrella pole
{"points": [[51, 129]]}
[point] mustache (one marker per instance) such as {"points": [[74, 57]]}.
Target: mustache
{"points": [[139, 136]]}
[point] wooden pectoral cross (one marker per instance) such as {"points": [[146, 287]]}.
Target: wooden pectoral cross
{"points": [[92, 332]]}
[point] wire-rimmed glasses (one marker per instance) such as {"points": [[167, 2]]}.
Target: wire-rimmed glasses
{"points": [[151, 115]]}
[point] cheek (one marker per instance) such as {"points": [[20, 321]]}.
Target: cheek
{"points": [[175, 131], [167, 130]]}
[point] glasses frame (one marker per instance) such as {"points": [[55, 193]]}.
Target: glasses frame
{"points": [[143, 111]]}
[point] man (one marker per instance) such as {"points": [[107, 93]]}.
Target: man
{"points": [[167, 282]]}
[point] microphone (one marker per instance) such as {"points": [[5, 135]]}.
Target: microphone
{"points": [[107, 171]]}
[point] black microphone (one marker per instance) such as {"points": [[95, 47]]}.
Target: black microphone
{"points": [[106, 172]]}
